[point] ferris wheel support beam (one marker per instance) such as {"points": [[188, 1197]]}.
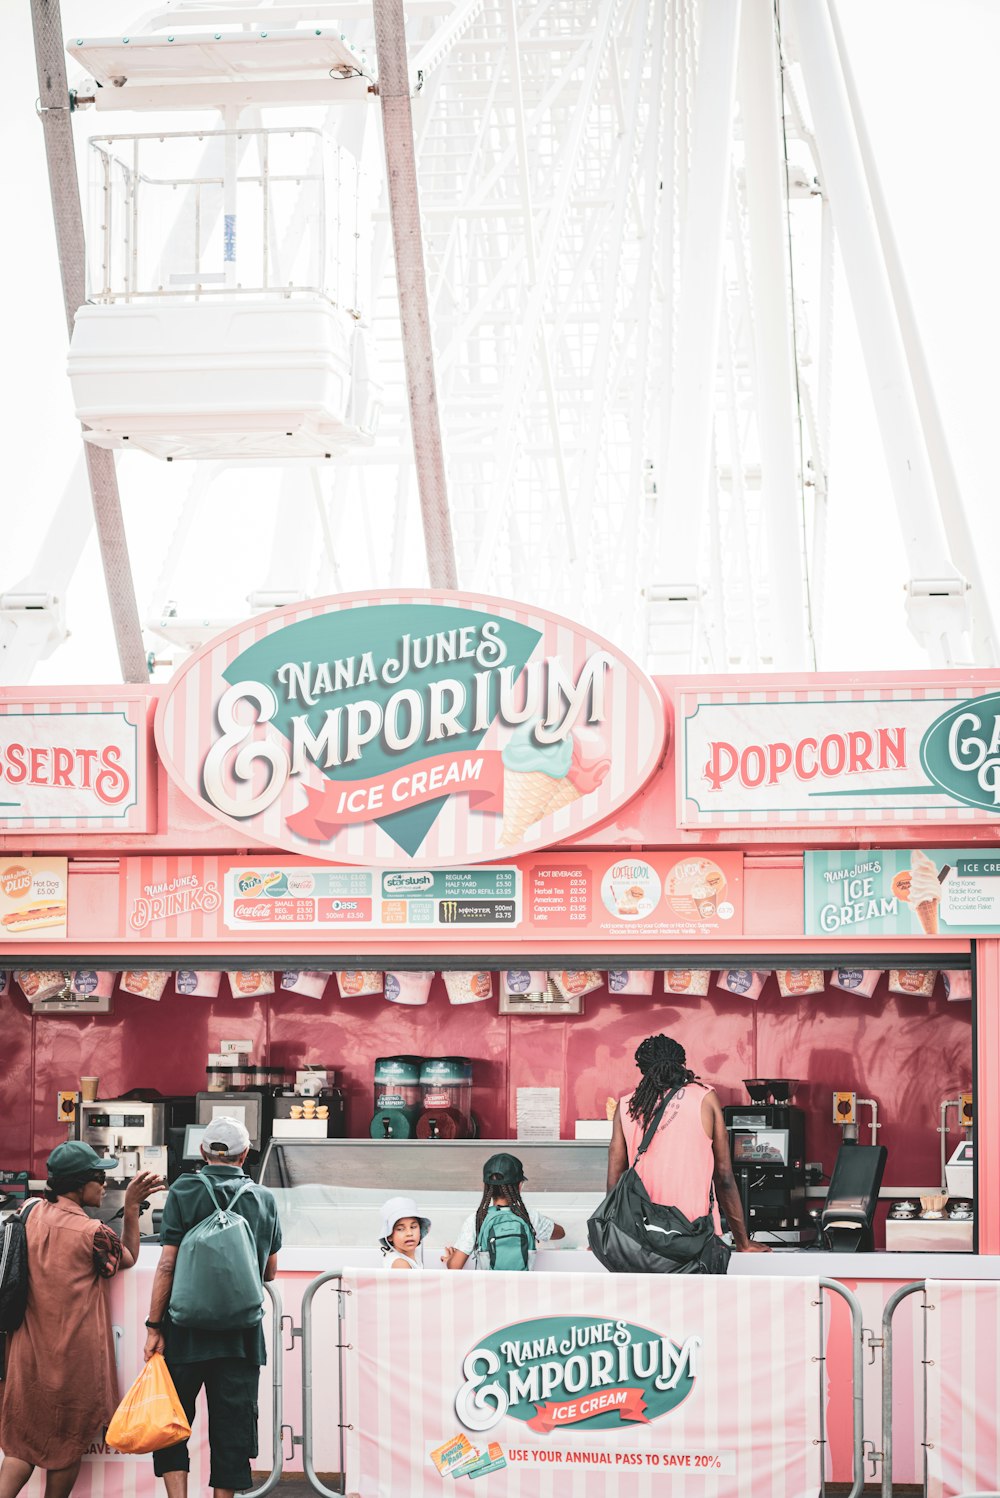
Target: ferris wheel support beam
{"points": [[937, 603], [956, 522], [611, 316], [673, 593], [411, 278], [532, 327], [759, 93], [54, 110]]}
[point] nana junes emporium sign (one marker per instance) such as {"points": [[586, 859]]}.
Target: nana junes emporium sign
{"points": [[417, 730]]}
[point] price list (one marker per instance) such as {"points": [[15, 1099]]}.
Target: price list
{"points": [[560, 896]]}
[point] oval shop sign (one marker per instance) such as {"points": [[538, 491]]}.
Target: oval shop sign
{"points": [[421, 729]]}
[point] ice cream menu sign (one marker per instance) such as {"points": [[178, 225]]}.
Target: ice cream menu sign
{"points": [[413, 732], [920, 892]]}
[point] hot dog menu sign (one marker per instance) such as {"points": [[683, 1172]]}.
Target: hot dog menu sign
{"points": [[838, 754], [420, 729], [32, 898]]}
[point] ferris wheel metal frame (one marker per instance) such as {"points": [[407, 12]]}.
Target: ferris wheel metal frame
{"points": [[603, 269]]}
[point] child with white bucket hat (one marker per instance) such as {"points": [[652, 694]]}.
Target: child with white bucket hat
{"points": [[403, 1232]]}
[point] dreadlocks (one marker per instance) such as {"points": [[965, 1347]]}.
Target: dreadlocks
{"points": [[663, 1063], [511, 1195]]}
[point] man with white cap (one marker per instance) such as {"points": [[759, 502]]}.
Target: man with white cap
{"points": [[225, 1362]]}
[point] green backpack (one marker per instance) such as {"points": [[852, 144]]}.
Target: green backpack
{"points": [[217, 1284], [505, 1239]]}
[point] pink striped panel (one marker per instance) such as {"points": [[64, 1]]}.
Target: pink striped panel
{"points": [[963, 1387], [410, 1335]]}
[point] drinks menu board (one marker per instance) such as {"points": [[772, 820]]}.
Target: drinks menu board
{"points": [[294, 898], [661, 895], [593, 897]]}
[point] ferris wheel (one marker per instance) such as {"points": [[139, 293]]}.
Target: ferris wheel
{"points": [[530, 296]]}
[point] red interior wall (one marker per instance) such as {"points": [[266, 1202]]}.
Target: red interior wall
{"points": [[907, 1053]]}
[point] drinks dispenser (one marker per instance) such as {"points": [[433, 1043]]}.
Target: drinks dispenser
{"points": [[397, 1097], [446, 1088]]}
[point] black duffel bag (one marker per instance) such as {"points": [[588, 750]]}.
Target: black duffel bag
{"points": [[632, 1234]]}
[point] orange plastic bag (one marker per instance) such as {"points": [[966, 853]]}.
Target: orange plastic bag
{"points": [[150, 1416]]}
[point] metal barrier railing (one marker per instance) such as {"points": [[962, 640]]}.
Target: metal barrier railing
{"points": [[304, 1332], [277, 1407], [885, 1455], [857, 1389]]}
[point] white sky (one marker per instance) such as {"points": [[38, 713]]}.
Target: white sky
{"points": [[926, 74]]}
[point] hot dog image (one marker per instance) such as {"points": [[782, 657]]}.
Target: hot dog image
{"points": [[34, 917]]}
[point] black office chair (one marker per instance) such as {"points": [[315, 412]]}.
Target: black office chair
{"points": [[847, 1220]]}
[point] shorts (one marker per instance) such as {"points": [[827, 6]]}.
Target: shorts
{"points": [[231, 1386]]}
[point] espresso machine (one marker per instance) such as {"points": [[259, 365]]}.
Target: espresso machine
{"points": [[767, 1144], [134, 1130]]}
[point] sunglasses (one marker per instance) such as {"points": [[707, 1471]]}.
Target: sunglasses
{"points": [[100, 1176]]}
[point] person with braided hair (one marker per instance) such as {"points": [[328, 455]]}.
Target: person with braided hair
{"points": [[502, 1218], [687, 1164]]}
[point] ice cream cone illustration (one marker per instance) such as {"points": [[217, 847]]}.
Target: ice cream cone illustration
{"points": [[925, 891], [564, 793], [527, 795], [588, 769], [531, 772]]}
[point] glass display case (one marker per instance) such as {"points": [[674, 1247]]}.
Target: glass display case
{"points": [[329, 1190]]}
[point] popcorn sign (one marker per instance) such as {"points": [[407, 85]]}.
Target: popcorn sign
{"points": [[373, 730], [838, 753]]}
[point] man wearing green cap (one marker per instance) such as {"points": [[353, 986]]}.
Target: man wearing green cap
{"points": [[503, 1175]]}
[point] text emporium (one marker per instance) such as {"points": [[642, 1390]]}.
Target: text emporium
{"points": [[439, 709], [550, 1367]]}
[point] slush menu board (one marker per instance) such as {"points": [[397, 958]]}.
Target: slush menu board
{"points": [[298, 898]]}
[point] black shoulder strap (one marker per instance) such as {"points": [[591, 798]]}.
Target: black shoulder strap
{"points": [[25, 1211], [647, 1138]]}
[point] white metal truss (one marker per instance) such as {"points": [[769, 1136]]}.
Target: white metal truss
{"points": [[630, 211]]}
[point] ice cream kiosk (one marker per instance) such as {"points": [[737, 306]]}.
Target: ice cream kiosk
{"points": [[335, 864]]}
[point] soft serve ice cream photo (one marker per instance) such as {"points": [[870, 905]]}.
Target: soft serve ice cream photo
{"points": [[925, 890]]}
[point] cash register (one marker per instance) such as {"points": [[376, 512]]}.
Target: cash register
{"points": [[767, 1144]]}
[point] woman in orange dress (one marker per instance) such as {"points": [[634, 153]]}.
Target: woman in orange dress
{"points": [[60, 1386]]}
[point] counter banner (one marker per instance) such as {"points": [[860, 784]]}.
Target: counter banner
{"points": [[423, 730], [591, 1384], [963, 1387], [925, 752]]}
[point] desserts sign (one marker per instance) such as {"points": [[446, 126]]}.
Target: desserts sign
{"points": [[438, 728]]}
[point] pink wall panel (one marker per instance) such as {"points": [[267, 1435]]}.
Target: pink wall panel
{"points": [[907, 1053]]}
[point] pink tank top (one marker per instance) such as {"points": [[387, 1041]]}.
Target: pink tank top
{"points": [[677, 1168]]}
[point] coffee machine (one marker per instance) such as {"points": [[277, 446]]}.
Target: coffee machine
{"points": [[767, 1144], [134, 1130]]}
